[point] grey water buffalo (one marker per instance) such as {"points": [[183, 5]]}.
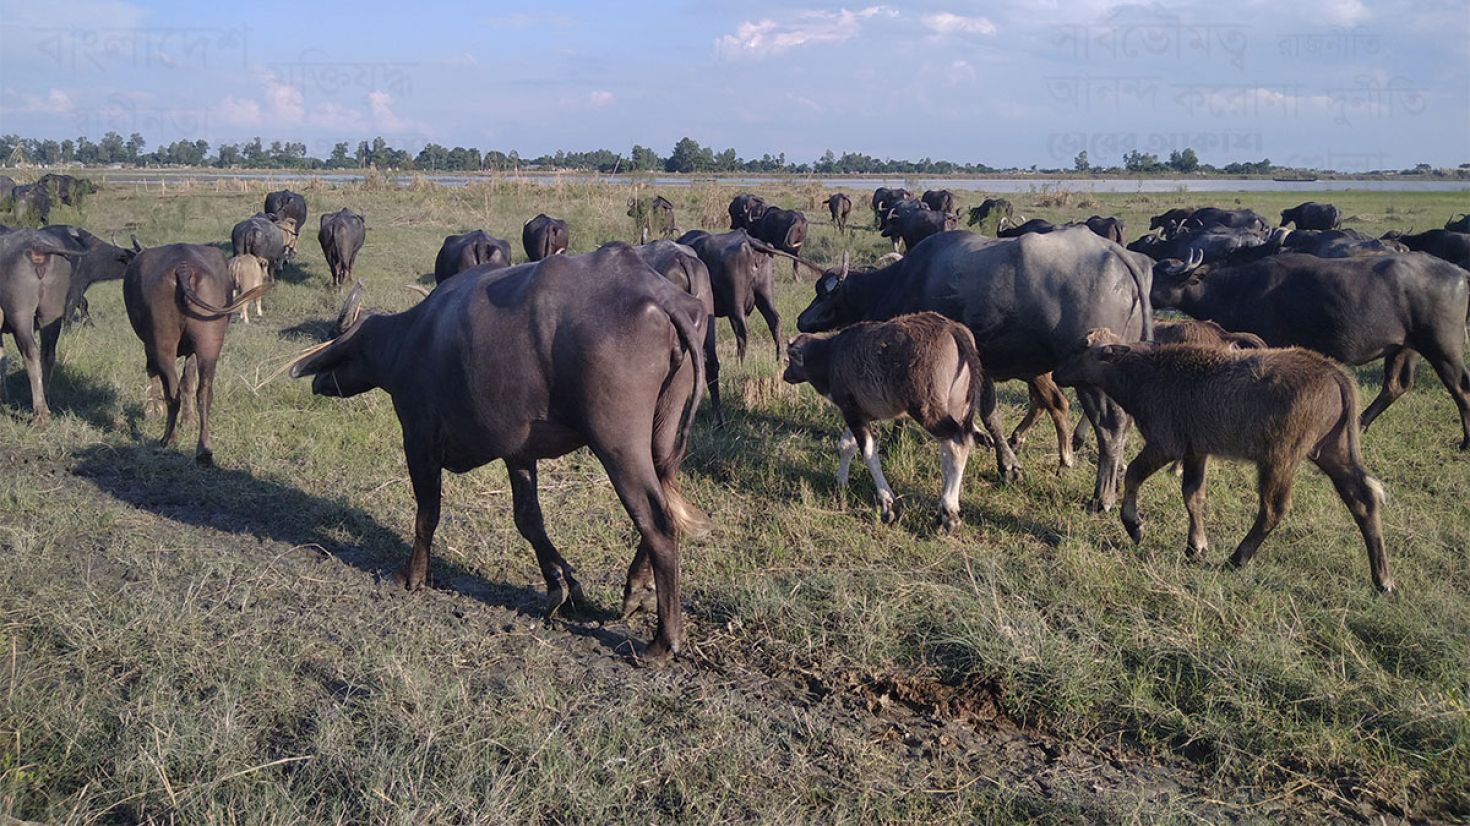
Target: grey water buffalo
{"points": [[1035, 226], [1356, 310], [1207, 217], [35, 276], [7, 188], [100, 261], [178, 301], [884, 198], [1027, 301], [1213, 244], [1312, 215], [67, 189], [530, 363], [682, 266], [1274, 408], [840, 206], [544, 236], [652, 216], [476, 248], [1338, 243], [341, 235], [745, 210], [1459, 223], [31, 204], [1110, 228], [1170, 222], [263, 235], [784, 229], [742, 279], [939, 200], [914, 225], [923, 366], [288, 204], [991, 206], [1448, 245]]}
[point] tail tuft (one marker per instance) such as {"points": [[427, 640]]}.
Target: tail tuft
{"points": [[1379, 492], [690, 520]]}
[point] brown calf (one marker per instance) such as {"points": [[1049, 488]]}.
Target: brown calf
{"points": [[248, 272], [923, 366], [1271, 407]]}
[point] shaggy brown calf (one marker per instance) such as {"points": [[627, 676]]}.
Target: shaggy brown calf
{"points": [[174, 295], [248, 272], [923, 366], [1271, 407]]}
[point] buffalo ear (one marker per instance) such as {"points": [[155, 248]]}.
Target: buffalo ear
{"points": [[1112, 352]]}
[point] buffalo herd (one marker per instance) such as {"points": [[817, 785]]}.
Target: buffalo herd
{"points": [[613, 349]]}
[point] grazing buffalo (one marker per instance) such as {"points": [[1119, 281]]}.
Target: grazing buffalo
{"points": [[923, 366], [1451, 246], [741, 277], [543, 237], [1112, 229], [35, 276], [471, 249], [650, 216], [101, 261], [1356, 310], [67, 189], [1207, 217], [840, 206], [1271, 407], [178, 300], [531, 363], [341, 235], [682, 266], [1460, 223], [263, 235], [1338, 243], [746, 211], [288, 204], [1312, 215], [914, 225], [939, 200], [31, 204], [1027, 301], [7, 188], [884, 198], [997, 206], [784, 229], [1036, 226]]}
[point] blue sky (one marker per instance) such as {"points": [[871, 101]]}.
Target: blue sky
{"points": [[1349, 84]]}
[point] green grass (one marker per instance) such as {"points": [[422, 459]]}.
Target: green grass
{"points": [[213, 645]]}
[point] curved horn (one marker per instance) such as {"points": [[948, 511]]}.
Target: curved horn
{"points": [[842, 273], [137, 247], [762, 246], [418, 288]]}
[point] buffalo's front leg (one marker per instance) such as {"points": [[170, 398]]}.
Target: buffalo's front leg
{"points": [[560, 584], [426, 475]]}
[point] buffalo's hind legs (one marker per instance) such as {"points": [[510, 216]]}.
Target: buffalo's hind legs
{"points": [[642, 495], [561, 586]]}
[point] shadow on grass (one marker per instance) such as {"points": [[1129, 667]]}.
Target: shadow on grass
{"points": [[167, 483], [316, 329], [68, 392]]}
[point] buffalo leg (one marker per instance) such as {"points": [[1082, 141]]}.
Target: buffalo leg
{"points": [[1360, 492], [4, 362], [766, 306], [205, 367], [1044, 394], [954, 452], [737, 326], [165, 370], [1145, 464], [30, 351], [1273, 483], [1111, 424], [1005, 459], [867, 445], [560, 584], [1456, 378], [637, 483], [188, 384], [1193, 488], [846, 449], [49, 336], [712, 372], [1398, 379], [427, 477]]}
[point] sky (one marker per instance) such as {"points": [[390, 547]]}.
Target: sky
{"points": [[1344, 84]]}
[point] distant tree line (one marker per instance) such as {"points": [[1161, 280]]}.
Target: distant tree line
{"points": [[687, 156]]}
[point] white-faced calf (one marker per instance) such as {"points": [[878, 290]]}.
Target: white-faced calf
{"points": [[1271, 407], [923, 366]]}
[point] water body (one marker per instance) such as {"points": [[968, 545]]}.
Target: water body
{"points": [[1001, 185]]}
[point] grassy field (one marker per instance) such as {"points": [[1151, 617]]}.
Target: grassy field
{"points": [[208, 646]]}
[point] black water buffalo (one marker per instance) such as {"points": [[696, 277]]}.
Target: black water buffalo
{"points": [[742, 280], [1460, 223], [1338, 243], [100, 261], [784, 229], [1035, 226], [840, 206], [1356, 310], [287, 204], [1453, 247], [1215, 244], [543, 237], [35, 276], [1112, 229], [262, 236], [469, 250], [885, 197], [1312, 215], [341, 235], [1028, 301], [7, 188], [745, 211], [178, 303], [997, 206], [914, 225], [682, 266], [1170, 222], [939, 200], [652, 216], [67, 189], [31, 205], [1207, 217], [531, 363]]}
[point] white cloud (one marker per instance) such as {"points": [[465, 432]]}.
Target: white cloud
{"points": [[1345, 12], [383, 116], [961, 71], [56, 102], [759, 39], [521, 20], [601, 98], [240, 111], [949, 23]]}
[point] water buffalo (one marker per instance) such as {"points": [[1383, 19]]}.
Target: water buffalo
{"points": [[288, 204], [939, 200], [543, 237], [1312, 215], [682, 266], [745, 211], [178, 300], [884, 198], [650, 216], [784, 229], [997, 206], [1027, 301], [741, 277], [840, 206], [1207, 217], [67, 189], [471, 249], [35, 276], [1459, 223], [1356, 310], [1112, 229], [1170, 222], [31, 204], [1451, 246], [1214, 244], [262, 235], [101, 261], [7, 188], [531, 363], [341, 235], [1035, 226], [914, 225], [1338, 243]]}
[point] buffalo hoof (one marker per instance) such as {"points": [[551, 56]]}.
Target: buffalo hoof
{"points": [[204, 459], [407, 579], [656, 654], [154, 409], [43, 418], [1465, 445], [947, 522], [892, 511], [1387, 588], [1011, 475], [1191, 552], [638, 600], [1098, 505]]}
